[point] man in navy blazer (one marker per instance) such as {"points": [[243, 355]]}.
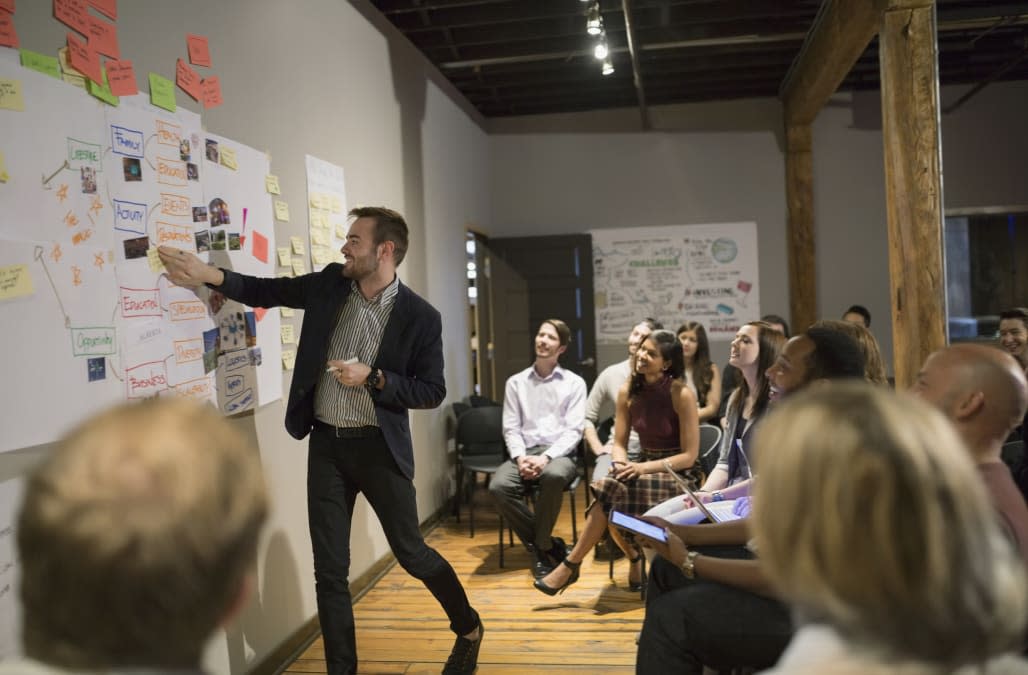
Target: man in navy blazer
{"points": [[370, 350]]}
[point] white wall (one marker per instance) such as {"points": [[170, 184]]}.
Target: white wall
{"points": [[317, 77]]}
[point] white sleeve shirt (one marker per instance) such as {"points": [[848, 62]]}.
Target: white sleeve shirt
{"points": [[546, 411]]}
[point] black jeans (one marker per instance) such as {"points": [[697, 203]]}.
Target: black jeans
{"points": [[692, 623], [337, 470]]}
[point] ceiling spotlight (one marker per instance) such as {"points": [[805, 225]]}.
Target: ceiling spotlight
{"points": [[600, 51], [593, 20], [608, 67]]}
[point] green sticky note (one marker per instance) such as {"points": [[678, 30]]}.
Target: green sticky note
{"points": [[162, 92], [102, 91], [48, 65]]}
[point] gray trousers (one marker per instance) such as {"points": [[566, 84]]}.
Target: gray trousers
{"points": [[508, 491]]}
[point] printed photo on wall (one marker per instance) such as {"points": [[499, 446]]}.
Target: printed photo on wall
{"points": [[212, 151], [88, 180], [184, 149], [132, 169], [199, 214], [192, 171], [218, 212], [218, 240], [233, 241], [136, 248], [203, 241]]}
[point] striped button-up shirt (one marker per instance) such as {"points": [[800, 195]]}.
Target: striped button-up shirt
{"points": [[357, 335]]}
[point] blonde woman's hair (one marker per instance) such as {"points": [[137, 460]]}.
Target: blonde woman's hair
{"points": [[136, 536], [874, 365], [872, 518]]}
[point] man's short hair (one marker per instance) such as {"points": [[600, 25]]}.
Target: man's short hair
{"points": [[862, 311], [389, 226], [652, 323], [1020, 313], [563, 332], [836, 355], [136, 536], [774, 318]]}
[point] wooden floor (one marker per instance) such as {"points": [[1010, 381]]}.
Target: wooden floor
{"points": [[590, 628]]}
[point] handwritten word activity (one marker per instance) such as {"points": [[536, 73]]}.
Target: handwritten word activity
{"points": [[92, 190]]}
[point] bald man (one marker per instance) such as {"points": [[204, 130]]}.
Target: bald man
{"points": [[984, 393]]}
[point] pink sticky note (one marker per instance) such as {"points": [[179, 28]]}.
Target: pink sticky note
{"points": [[103, 37], [84, 59], [199, 53], [188, 79], [211, 92], [8, 36], [259, 312], [122, 78], [260, 247], [7, 5], [73, 14], [108, 8]]}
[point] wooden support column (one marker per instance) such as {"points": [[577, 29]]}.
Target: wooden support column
{"points": [[799, 194], [913, 182]]}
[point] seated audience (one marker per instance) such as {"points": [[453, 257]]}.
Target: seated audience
{"points": [[916, 579], [702, 376], [1013, 337], [137, 538], [657, 404], [859, 315], [874, 365], [730, 376]]}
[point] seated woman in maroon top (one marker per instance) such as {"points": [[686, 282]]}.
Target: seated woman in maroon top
{"points": [[662, 409]]}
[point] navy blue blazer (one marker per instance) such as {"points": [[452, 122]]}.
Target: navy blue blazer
{"points": [[411, 353]]}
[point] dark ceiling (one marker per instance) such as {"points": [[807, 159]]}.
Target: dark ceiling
{"points": [[522, 57]]}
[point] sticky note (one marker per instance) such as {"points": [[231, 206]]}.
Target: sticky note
{"points": [[73, 14], [283, 256], [337, 204], [69, 74], [320, 255], [340, 231], [156, 266], [260, 247], [122, 78], [8, 35], [211, 90], [102, 91], [84, 59], [15, 282], [108, 8], [288, 359], [103, 37], [318, 238], [259, 312], [271, 184], [298, 246], [3, 170], [299, 267], [281, 210], [228, 157], [10, 95], [287, 312], [162, 92], [199, 52], [188, 79], [41, 63], [288, 334], [285, 275]]}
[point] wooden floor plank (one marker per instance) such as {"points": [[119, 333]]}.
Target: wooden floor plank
{"points": [[591, 627]]}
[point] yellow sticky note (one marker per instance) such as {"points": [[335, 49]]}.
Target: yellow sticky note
{"points": [[321, 255], [281, 210], [298, 247], [10, 95], [283, 256], [287, 312], [337, 204], [15, 282], [316, 200], [285, 275], [288, 359], [69, 74], [341, 232], [228, 159], [318, 238], [299, 267], [271, 184], [3, 170], [288, 334], [156, 266]]}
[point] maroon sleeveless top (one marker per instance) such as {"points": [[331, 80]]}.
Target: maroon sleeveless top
{"points": [[653, 416]]}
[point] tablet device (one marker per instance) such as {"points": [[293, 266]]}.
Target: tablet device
{"points": [[623, 520]]}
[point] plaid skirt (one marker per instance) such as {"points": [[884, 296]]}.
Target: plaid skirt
{"points": [[638, 496]]}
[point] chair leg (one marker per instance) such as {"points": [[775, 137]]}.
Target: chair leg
{"points": [[574, 520], [471, 507], [501, 541], [459, 493]]}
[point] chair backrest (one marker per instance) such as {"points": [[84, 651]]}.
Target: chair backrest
{"points": [[604, 429], [710, 442], [480, 432], [476, 401], [1012, 453]]}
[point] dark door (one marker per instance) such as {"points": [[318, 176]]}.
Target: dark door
{"points": [[501, 322], [559, 273]]}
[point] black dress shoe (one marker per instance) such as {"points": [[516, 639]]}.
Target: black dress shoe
{"points": [[464, 655]]}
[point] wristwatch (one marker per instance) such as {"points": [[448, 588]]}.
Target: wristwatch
{"points": [[689, 565], [717, 496], [373, 378]]}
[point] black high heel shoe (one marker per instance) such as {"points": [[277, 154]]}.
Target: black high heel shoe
{"points": [[641, 583], [573, 566]]}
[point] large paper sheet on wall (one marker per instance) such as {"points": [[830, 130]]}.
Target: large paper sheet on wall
{"points": [[705, 273], [90, 318]]}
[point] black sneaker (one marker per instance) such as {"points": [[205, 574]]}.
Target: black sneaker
{"points": [[464, 655]]}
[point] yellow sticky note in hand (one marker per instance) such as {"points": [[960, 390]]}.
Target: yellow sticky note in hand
{"points": [[282, 210], [156, 266], [271, 184], [298, 246], [15, 282], [10, 95], [283, 256]]}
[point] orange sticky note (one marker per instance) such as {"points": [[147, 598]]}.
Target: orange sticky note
{"points": [[8, 36], [260, 247], [259, 312], [73, 14], [211, 92], [103, 37], [84, 59], [108, 8], [7, 5], [188, 79], [199, 53], [122, 78]]}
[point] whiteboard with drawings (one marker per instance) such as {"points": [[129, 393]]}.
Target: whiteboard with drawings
{"points": [[89, 317]]}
